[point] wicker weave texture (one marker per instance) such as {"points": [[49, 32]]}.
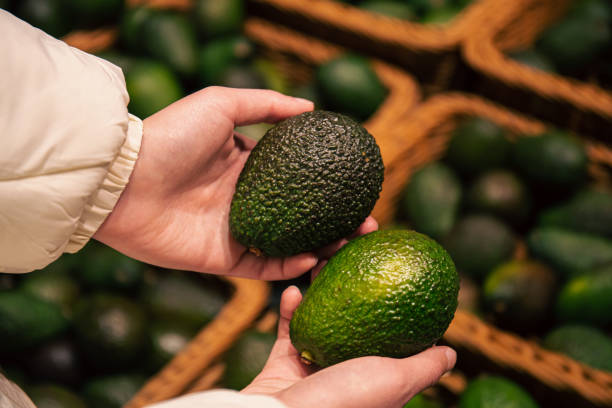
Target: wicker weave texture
{"points": [[367, 25], [564, 101], [430, 51], [429, 129]]}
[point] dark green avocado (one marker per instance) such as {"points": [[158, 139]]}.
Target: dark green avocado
{"points": [[111, 331], [311, 180], [431, 200], [477, 145], [54, 396], [389, 293], [502, 194], [519, 295], [589, 211], [587, 298], [552, 160], [27, 320], [113, 391], [495, 392], [478, 243], [349, 84], [247, 357], [583, 343], [569, 252], [57, 360]]}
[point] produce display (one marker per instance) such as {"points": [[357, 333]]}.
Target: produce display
{"points": [[93, 327], [76, 355], [577, 45], [512, 228], [522, 220]]}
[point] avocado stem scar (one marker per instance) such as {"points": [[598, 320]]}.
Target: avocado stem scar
{"points": [[306, 357], [256, 251]]}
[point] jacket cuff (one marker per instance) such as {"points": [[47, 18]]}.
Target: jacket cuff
{"points": [[220, 399], [103, 201]]}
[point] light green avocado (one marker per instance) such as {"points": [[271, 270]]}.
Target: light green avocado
{"points": [[495, 392], [388, 293]]}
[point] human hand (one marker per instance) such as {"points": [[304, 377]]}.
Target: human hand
{"points": [[174, 211], [365, 382]]}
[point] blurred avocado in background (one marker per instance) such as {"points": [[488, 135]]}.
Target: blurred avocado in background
{"points": [[112, 391], [247, 357], [54, 396], [349, 85]]}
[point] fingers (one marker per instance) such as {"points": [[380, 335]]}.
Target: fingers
{"points": [[327, 251], [258, 267], [375, 382], [369, 225], [425, 369], [290, 299], [315, 271], [248, 106], [243, 142]]}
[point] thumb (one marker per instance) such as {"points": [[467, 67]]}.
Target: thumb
{"points": [[425, 369], [247, 106], [290, 299], [375, 382]]}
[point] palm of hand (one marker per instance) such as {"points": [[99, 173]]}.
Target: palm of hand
{"points": [[175, 210], [364, 382]]}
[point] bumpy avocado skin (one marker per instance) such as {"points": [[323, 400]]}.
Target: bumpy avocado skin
{"points": [[312, 179], [388, 293]]}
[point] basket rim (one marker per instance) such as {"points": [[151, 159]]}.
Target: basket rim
{"points": [[467, 330], [412, 35], [480, 51]]}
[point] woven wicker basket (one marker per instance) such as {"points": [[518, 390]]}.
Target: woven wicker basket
{"points": [[429, 51], [428, 131], [563, 101]]}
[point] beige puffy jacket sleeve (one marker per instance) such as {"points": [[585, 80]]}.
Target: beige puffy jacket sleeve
{"points": [[67, 145], [67, 149]]}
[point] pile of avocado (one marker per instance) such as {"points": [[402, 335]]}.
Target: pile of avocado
{"points": [[578, 45], [91, 328], [167, 54], [484, 391], [421, 11], [495, 196]]}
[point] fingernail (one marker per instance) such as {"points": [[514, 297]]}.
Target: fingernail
{"points": [[311, 259], [303, 100], [451, 358]]}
